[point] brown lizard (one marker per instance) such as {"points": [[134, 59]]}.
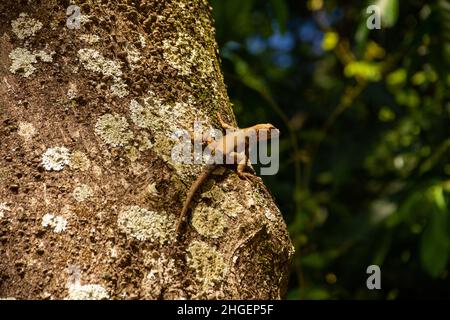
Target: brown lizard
{"points": [[227, 147]]}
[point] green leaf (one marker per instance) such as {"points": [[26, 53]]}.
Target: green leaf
{"points": [[434, 246], [361, 35], [281, 13], [389, 12]]}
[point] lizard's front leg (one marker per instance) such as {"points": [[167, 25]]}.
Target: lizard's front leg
{"points": [[223, 124], [204, 138]]}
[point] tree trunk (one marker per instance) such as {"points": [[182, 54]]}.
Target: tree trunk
{"points": [[89, 193]]}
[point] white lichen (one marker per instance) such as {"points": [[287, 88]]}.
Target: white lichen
{"points": [[3, 209], [82, 193], [142, 40], [94, 61], [269, 215], [55, 158], [208, 263], [47, 219], [113, 130], [72, 93], [23, 61], [58, 223], [142, 224], [24, 27], [26, 130], [87, 292], [114, 252]]}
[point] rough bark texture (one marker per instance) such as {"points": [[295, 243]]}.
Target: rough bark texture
{"points": [[89, 194]]}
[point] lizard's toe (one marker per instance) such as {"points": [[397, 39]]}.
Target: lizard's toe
{"points": [[245, 175]]}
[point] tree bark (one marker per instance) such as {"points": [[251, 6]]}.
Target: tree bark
{"points": [[89, 193]]}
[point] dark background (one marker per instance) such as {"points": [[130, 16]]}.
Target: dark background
{"points": [[364, 153]]}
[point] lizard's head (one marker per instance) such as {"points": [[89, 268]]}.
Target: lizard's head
{"points": [[266, 131]]}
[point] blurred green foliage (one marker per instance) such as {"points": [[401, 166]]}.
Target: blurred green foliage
{"points": [[364, 114]]}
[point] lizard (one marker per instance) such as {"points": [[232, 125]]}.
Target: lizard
{"points": [[227, 147]]}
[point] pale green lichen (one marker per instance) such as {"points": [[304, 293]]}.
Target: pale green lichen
{"points": [[55, 158], [256, 199], [24, 27], [132, 153], [133, 56], [143, 224], [57, 223], [232, 207], [215, 192], [84, 18], [186, 54], [209, 221], [144, 115], [23, 60], [90, 38], [208, 263], [143, 143], [94, 61], [79, 161], [87, 292], [113, 130], [44, 56], [163, 120], [26, 130], [82, 193], [3, 208], [119, 88]]}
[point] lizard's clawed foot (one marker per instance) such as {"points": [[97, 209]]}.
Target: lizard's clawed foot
{"points": [[246, 175]]}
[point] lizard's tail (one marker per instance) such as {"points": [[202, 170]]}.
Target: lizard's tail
{"points": [[191, 193]]}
